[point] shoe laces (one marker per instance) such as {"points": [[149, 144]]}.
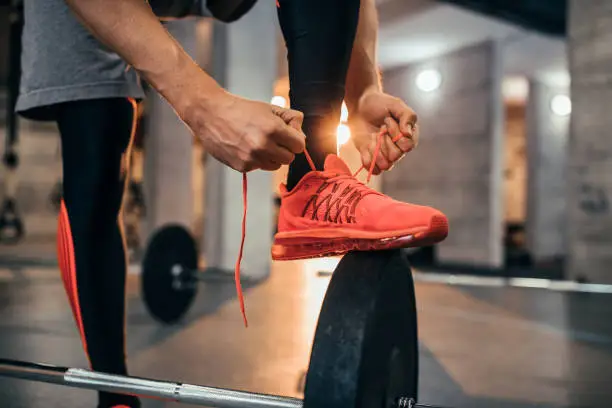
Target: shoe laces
{"points": [[336, 199], [358, 187]]}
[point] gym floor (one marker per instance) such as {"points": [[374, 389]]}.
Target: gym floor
{"points": [[499, 347]]}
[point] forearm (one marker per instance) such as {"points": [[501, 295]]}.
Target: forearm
{"points": [[363, 72], [130, 28]]}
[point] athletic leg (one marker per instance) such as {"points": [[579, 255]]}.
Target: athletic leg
{"points": [[330, 212], [95, 136], [319, 35]]}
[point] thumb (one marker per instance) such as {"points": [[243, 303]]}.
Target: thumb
{"points": [[366, 156]]}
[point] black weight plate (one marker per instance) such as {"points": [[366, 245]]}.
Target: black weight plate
{"points": [[171, 245], [365, 351]]}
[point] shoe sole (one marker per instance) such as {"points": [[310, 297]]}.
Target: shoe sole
{"points": [[308, 247]]}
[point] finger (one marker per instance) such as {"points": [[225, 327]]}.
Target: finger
{"points": [[383, 134], [410, 141], [408, 122], [404, 115], [274, 153], [366, 158], [291, 117], [281, 155], [297, 119], [416, 133], [242, 166], [288, 137], [269, 165], [405, 144], [381, 161], [392, 128], [394, 153]]}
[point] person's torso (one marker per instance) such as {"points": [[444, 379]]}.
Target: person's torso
{"points": [[59, 52]]}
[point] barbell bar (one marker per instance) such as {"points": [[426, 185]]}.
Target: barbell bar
{"points": [[157, 389]]}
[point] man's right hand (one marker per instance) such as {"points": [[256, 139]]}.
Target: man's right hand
{"points": [[246, 135]]}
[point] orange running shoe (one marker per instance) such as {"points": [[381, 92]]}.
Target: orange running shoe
{"points": [[330, 212]]}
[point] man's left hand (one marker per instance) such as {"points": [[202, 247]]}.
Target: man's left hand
{"points": [[376, 112]]}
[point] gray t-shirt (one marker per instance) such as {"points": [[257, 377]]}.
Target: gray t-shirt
{"points": [[61, 61]]}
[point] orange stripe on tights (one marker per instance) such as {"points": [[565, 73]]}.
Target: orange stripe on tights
{"points": [[65, 254]]}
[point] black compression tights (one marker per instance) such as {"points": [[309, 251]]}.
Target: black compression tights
{"points": [[319, 35], [95, 137]]}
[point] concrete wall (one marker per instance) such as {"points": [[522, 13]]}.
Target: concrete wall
{"points": [[515, 164], [246, 64], [458, 166], [547, 135], [590, 143]]}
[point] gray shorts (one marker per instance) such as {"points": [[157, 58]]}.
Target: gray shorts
{"points": [[63, 62]]}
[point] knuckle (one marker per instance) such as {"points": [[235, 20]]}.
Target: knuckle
{"points": [[259, 145], [268, 128]]}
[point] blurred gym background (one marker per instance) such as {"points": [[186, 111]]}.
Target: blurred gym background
{"points": [[490, 82], [513, 98]]}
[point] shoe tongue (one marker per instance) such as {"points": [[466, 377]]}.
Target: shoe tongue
{"points": [[335, 164]]}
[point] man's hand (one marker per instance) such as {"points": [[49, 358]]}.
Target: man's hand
{"points": [[244, 134], [376, 112]]}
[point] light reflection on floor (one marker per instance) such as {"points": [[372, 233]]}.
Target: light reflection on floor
{"points": [[482, 346]]}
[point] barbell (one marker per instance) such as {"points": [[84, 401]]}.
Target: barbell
{"points": [[149, 388], [364, 353]]}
